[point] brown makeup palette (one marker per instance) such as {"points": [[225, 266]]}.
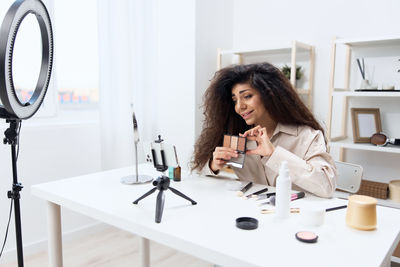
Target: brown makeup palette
{"points": [[239, 144]]}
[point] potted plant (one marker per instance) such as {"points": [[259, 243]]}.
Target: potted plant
{"points": [[286, 71]]}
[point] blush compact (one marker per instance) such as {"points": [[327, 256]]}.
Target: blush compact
{"points": [[239, 144], [306, 237]]}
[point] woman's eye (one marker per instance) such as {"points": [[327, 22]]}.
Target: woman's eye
{"points": [[248, 96]]}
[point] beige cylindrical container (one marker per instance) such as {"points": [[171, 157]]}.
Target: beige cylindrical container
{"points": [[394, 190], [361, 212]]}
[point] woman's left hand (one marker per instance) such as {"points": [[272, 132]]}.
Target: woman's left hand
{"points": [[264, 146]]}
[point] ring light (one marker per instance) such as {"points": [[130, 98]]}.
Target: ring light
{"points": [[12, 107]]}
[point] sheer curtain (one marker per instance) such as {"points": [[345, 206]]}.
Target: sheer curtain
{"points": [[127, 79]]}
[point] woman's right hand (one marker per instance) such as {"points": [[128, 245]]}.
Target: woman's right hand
{"points": [[220, 156]]}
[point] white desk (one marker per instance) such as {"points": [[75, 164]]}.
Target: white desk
{"points": [[207, 230]]}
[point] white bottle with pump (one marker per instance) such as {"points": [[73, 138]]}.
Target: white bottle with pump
{"points": [[283, 192]]}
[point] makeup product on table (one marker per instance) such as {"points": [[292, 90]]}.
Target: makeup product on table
{"points": [[246, 223], [265, 196], [294, 196], [239, 144], [283, 188], [244, 189], [269, 211], [312, 216], [177, 169], [255, 194], [307, 237], [336, 208], [315, 216], [361, 212]]}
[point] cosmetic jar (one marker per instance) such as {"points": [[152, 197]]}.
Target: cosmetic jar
{"points": [[361, 212], [394, 190], [312, 216]]}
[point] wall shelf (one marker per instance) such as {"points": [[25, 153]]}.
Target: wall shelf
{"points": [[348, 143], [374, 41], [288, 48], [344, 141], [343, 92]]}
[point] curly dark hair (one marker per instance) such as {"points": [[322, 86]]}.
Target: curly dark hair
{"points": [[278, 95]]}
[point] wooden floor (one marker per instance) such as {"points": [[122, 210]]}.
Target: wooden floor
{"points": [[115, 248]]}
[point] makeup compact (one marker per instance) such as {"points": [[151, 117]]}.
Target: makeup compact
{"points": [[247, 223], [306, 237], [239, 144]]}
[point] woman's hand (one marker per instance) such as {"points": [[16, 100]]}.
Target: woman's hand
{"points": [[220, 156], [264, 145]]}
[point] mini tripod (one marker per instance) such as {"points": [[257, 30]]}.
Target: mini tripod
{"points": [[162, 184]]}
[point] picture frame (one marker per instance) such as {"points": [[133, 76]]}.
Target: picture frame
{"points": [[365, 122]]}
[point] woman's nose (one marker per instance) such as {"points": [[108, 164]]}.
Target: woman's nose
{"points": [[241, 105]]}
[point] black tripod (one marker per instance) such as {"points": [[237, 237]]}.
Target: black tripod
{"points": [[162, 184], [12, 139]]}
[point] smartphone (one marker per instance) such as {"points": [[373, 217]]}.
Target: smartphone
{"points": [[170, 155]]}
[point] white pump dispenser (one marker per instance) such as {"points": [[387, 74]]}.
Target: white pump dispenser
{"points": [[283, 192]]}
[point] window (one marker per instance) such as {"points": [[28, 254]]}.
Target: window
{"points": [[75, 78], [76, 51]]}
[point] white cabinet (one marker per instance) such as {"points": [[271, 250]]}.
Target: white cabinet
{"points": [[283, 54]]}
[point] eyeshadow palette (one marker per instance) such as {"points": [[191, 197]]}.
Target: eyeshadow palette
{"points": [[239, 144]]}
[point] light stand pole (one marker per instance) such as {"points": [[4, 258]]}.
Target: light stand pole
{"points": [[11, 108], [11, 138], [136, 179]]}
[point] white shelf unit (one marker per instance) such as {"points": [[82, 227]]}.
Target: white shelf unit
{"points": [[291, 49], [343, 141]]}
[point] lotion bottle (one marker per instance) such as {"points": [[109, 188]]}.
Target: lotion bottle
{"points": [[283, 192]]}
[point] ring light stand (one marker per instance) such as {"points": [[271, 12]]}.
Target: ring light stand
{"points": [[138, 178], [162, 184], [13, 110]]}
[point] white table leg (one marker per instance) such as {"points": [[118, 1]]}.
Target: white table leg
{"points": [[54, 233], [144, 251]]}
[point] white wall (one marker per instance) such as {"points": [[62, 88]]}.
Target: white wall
{"points": [[175, 72], [48, 152], [214, 29], [259, 22]]}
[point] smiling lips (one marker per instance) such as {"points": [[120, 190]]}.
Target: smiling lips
{"points": [[247, 115]]}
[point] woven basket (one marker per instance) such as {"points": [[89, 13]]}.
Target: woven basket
{"points": [[374, 189]]}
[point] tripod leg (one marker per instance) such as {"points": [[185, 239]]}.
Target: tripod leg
{"points": [[160, 206], [182, 195], [145, 195]]}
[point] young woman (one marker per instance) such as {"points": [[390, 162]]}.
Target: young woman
{"points": [[258, 102]]}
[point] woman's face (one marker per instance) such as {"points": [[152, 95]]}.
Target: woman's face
{"points": [[248, 104]]}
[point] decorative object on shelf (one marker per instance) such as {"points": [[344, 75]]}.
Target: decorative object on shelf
{"points": [[286, 71], [373, 189], [365, 84], [394, 190], [382, 139], [398, 69], [365, 122], [387, 87]]}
